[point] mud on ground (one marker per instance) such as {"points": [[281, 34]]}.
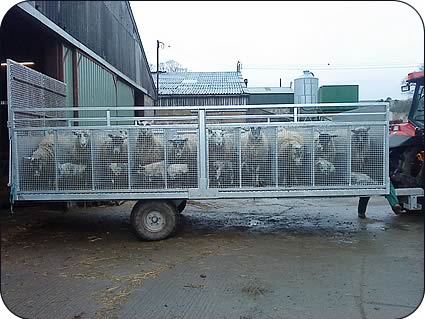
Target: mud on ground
{"points": [[268, 258]]}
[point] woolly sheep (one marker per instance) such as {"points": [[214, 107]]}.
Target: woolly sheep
{"points": [[255, 151], [360, 147], [290, 156], [149, 147]]}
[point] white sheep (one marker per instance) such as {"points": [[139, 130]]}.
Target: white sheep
{"points": [[255, 153], [149, 147], [71, 170], [290, 150], [118, 173], [155, 172], [360, 147], [42, 159]]}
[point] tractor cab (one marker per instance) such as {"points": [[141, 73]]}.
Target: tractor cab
{"points": [[415, 124]]}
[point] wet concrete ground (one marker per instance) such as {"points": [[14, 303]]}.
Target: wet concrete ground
{"points": [[269, 258]]}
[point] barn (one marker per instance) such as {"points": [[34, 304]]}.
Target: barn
{"points": [[92, 46]]}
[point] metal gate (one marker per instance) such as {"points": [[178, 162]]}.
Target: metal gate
{"points": [[190, 152]]}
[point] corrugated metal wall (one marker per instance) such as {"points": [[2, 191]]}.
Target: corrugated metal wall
{"points": [[107, 28], [99, 87], [204, 100]]}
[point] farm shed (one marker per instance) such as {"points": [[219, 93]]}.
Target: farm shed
{"points": [[201, 88], [92, 46]]}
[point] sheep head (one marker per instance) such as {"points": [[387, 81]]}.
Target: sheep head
{"points": [[179, 145], [256, 133], [83, 138], [216, 136]]}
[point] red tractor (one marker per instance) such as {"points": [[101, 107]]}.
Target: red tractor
{"points": [[406, 164]]}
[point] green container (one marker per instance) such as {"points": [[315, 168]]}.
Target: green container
{"points": [[338, 94]]}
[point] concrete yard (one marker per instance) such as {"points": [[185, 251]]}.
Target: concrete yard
{"points": [[268, 258]]}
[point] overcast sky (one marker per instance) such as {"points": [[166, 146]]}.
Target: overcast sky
{"points": [[337, 41]]}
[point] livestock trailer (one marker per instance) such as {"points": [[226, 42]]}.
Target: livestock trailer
{"points": [[62, 153]]}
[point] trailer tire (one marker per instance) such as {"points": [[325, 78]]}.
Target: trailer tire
{"points": [[154, 220]]}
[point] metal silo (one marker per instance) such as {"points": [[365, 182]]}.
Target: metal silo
{"points": [[305, 88]]}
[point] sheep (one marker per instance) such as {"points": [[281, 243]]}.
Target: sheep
{"points": [[325, 147], [221, 156], [255, 152], [361, 179], [324, 167], [224, 173], [360, 147], [115, 148], [42, 160], [183, 148], [71, 170], [149, 147], [290, 156], [155, 172], [118, 174]]}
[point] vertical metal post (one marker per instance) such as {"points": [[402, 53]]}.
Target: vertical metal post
{"points": [[10, 119], [128, 159], [350, 162], [386, 177], [108, 118], [276, 158], [240, 156], [313, 172], [92, 160], [157, 73], [55, 157], [165, 139], [295, 114], [203, 176]]}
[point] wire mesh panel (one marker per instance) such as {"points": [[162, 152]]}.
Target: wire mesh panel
{"points": [[147, 153], [223, 157], [331, 156], [181, 158], [367, 155], [295, 157], [35, 160], [28, 88], [110, 159], [257, 156]]}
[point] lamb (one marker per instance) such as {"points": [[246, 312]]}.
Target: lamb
{"points": [[360, 147], [71, 170], [361, 179], [325, 147], [224, 173], [255, 152], [290, 156], [118, 174], [41, 160], [155, 172]]}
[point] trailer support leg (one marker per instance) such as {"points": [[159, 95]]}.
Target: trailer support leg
{"points": [[361, 209]]}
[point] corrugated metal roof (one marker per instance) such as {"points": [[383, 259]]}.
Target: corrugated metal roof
{"points": [[268, 90], [200, 83]]}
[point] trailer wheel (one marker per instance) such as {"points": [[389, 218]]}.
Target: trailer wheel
{"points": [[154, 220]]}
